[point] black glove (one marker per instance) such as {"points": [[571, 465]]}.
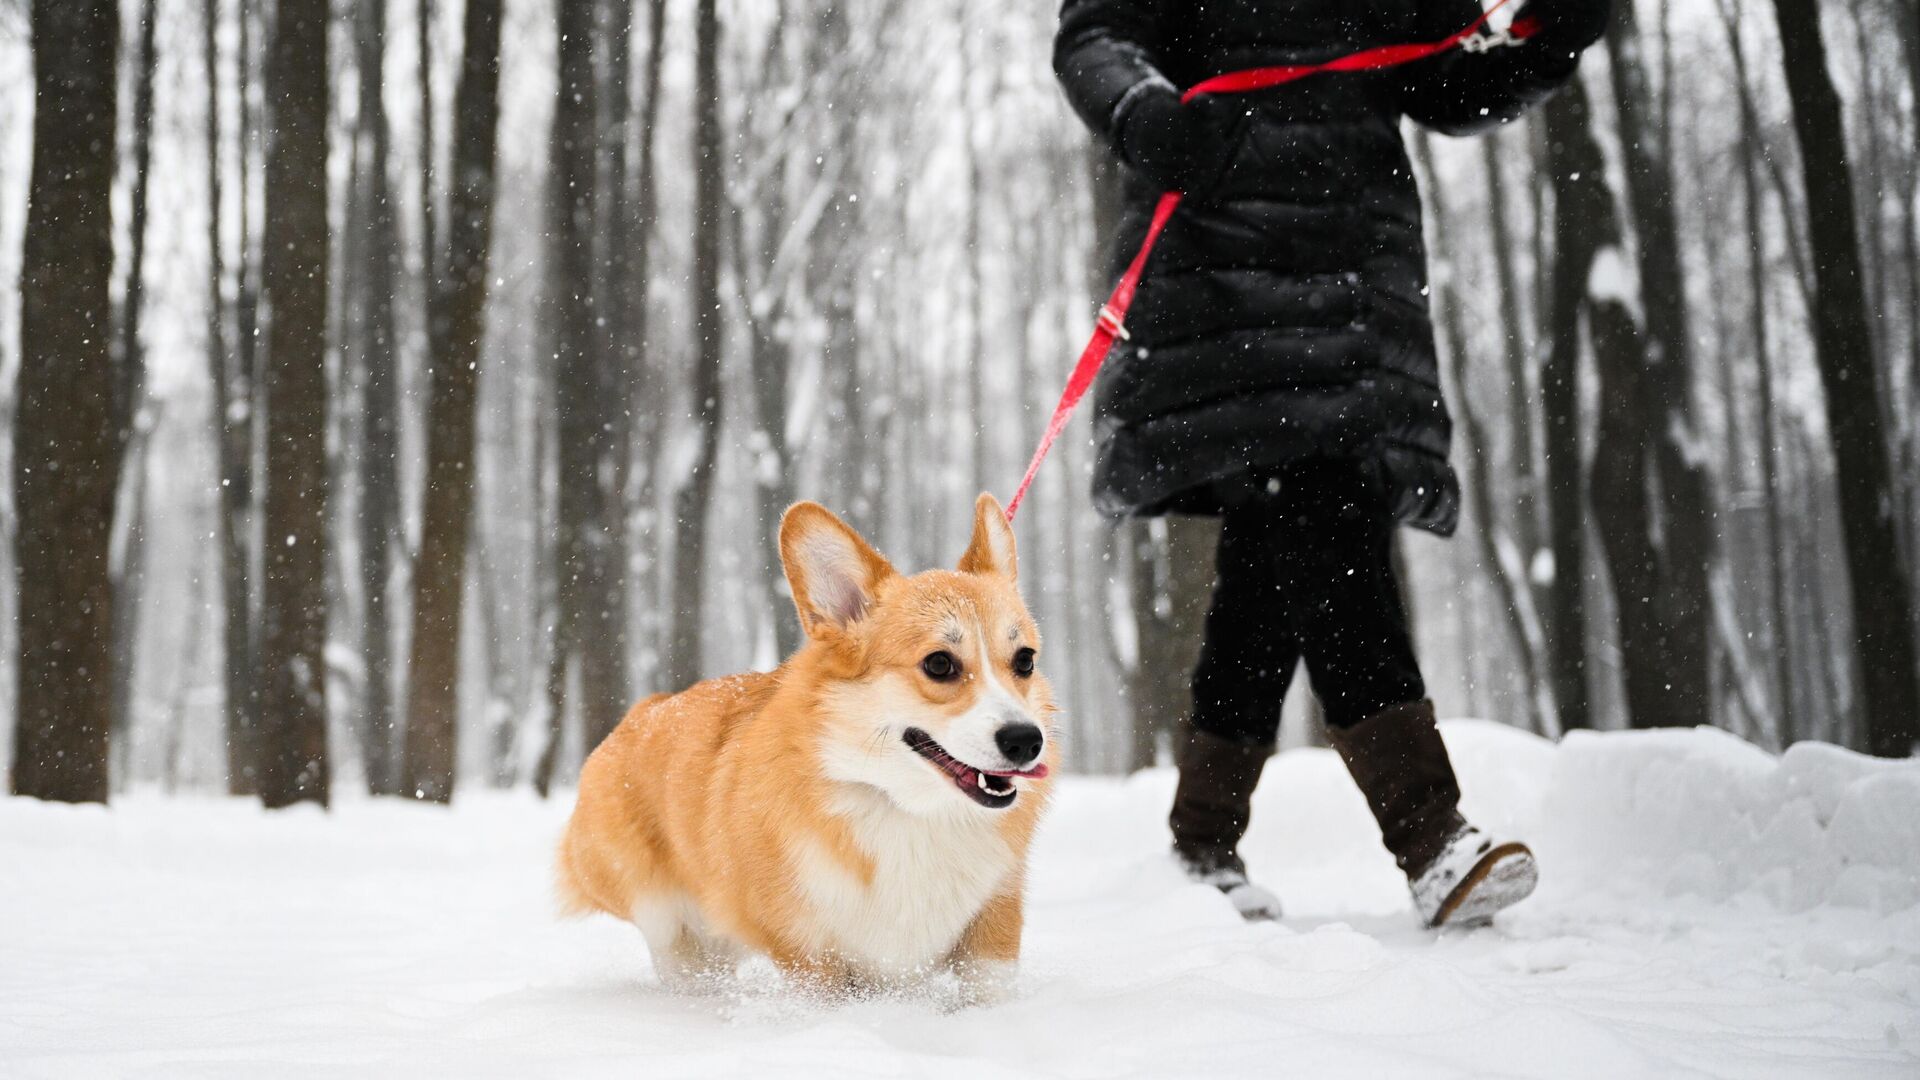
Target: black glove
{"points": [[1182, 147], [1569, 25]]}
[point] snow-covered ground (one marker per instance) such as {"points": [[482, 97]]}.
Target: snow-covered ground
{"points": [[1706, 909]]}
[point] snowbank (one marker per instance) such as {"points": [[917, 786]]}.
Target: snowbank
{"points": [[1703, 812], [1706, 908]]}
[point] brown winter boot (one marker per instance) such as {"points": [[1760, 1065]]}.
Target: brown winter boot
{"points": [[1211, 807], [1458, 875]]}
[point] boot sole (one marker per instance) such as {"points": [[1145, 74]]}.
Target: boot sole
{"points": [[1503, 877]]}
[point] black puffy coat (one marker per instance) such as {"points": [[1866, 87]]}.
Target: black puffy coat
{"points": [[1284, 316]]}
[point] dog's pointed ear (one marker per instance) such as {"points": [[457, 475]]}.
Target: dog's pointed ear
{"points": [[991, 550], [833, 573]]}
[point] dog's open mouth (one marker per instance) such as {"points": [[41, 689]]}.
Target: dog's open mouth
{"points": [[990, 789]]}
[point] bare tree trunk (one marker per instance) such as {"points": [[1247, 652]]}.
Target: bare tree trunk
{"points": [[133, 512], [429, 231], [293, 639], [1172, 580], [1169, 563], [1910, 452], [232, 421], [1831, 697], [1501, 561], [696, 494], [246, 303], [1906, 20], [770, 263], [568, 313], [1781, 637], [456, 323], [132, 421], [617, 352], [1882, 593], [1734, 683], [1627, 478], [65, 463], [550, 688], [844, 423], [130, 391], [640, 394], [1675, 660], [496, 710], [1539, 154], [379, 523], [555, 688], [586, 566], [1520, 373], [1581, 204], [1877, 100], [1622, 514], [1726, 360], [255, 124], [771, 354], [976, 354], [1869, 174], [249, 411]]}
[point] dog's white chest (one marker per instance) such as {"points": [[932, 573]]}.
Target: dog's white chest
{"points": [[931, 878]]}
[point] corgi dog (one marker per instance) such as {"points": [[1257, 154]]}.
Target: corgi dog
{"points": [[861, 815]]}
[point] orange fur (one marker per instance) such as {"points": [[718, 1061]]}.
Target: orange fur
{"points": [[781, 812]]}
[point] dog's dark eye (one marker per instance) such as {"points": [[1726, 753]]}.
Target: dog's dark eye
{"points": [[1023, 663], [940, 666]]}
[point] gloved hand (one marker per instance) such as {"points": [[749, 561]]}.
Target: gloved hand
{"points": [[1182, 147], [1569, 25]]}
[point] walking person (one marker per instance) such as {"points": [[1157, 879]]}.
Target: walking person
{"points": [[1281, 374]]}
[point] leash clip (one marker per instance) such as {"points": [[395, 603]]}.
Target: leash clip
{"points": [[1110, 321], [1489, 40]]}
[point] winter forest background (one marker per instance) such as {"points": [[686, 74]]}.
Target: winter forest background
{"points": [[435, 381]]}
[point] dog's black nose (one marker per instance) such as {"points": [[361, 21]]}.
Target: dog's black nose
{"points": [[1020, 742]]}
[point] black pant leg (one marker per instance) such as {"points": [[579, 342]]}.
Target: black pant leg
{"points": [[1249, 653], [1337, 569]]}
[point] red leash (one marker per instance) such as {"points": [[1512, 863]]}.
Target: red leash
{"points": [[1113, 314]]}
